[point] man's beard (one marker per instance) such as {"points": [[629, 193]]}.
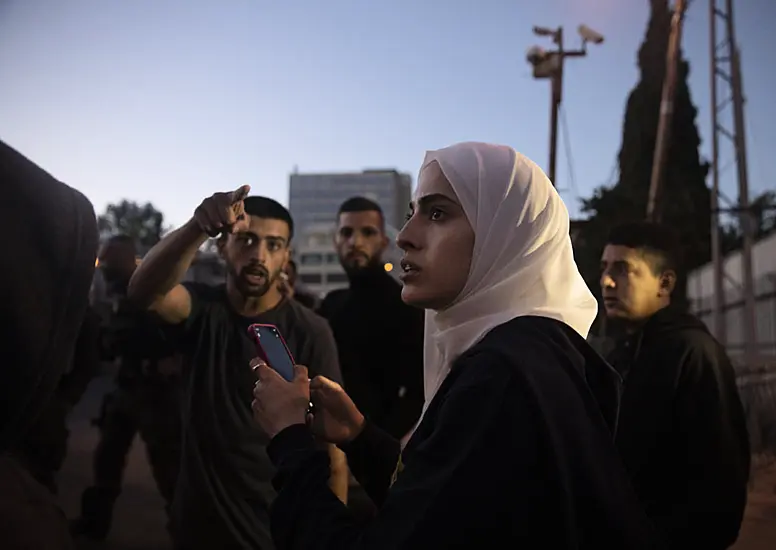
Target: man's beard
{"points": [[359, 262], [252, 289], [116, 281]]}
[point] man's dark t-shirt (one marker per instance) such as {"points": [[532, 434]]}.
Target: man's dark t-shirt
{"points": [[224, 487]]}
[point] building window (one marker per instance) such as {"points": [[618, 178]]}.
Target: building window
{"points": [[336, 278], [332, 259], [311, 259], [310, 278]]}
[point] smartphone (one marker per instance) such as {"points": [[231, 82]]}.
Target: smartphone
{"points": [[273, 349]]}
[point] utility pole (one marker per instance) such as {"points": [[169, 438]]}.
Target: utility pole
{"points": [[556, 95], [726, 73], [662, 142], [549, 65], [717, 259]]}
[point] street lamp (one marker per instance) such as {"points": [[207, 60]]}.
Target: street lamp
{"points": [[549, 64]]}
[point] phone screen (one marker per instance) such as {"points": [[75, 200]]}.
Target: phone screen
{"points": [[275, 353]]}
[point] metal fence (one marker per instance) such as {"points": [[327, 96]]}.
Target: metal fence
{"points": [[757, 387], [733, 315]]}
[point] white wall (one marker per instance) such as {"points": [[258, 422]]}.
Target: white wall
{"points": [[700, 289], [701, 281]]}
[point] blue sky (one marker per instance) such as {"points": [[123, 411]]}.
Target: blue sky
{"points": [[169, 101]]}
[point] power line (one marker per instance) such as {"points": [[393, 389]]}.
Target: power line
{"points": [[567, 150], [751, 131], [612, 179]]}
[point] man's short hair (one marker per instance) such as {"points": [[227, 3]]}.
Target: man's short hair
{"points": [[264, 207], [658, 243], [361, 204], [123, 240]]}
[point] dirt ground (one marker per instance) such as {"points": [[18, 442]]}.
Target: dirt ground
{"points": [[139, 514], [759, 529]]}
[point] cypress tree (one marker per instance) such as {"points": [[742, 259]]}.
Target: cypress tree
{"points": [[685, 204]]}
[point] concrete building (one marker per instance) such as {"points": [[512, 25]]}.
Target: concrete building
{"points": [[318, 268], [315, 198], [313, 202], [700, 290]]}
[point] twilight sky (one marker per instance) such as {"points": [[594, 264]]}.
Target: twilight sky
{"points": [[170, 100]]}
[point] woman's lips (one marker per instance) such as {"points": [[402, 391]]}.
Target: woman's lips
{"points": [[409, 271]]}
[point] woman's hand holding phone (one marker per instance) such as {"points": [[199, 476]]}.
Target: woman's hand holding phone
{"points": [[336, 418], [283, 391], [278, 403]]}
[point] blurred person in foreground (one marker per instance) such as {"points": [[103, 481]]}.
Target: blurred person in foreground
{"points": [[379, 337], [682, 431], [44, 447], [145, 400], [289, 287], [224, 486], [515, 447], [49, 235]]}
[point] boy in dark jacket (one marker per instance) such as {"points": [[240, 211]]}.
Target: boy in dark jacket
{"points": [[682, 430]]}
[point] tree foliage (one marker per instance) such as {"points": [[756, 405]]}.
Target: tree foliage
{"points": [[764, 212], [144, 223]]}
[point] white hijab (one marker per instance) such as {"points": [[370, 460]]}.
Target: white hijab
{"points": [[522, 263]]}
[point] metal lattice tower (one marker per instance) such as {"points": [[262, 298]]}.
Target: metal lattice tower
{"points": [[728, 127]]}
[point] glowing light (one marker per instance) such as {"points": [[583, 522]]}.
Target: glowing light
{"points": [[96, 262], [388, 266]]}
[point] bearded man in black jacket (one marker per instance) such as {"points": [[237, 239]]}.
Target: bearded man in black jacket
{"points": [[379, 338], [682, 430]]}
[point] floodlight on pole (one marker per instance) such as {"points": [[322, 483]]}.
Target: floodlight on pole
{"points": [[549, 65]]}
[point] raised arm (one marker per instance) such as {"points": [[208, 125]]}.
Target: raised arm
{"points": [[155, 285]]}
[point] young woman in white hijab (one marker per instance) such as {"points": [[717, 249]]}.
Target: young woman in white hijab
{"points": [[514, 448]]}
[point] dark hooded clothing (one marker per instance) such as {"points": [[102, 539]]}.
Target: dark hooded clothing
{"points": [[49, 237], [380, 345], [44, 446], [514, 451], [86, 361], [682, 430]]}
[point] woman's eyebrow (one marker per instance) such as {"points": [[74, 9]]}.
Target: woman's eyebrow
{"points": [[425, 200]]}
